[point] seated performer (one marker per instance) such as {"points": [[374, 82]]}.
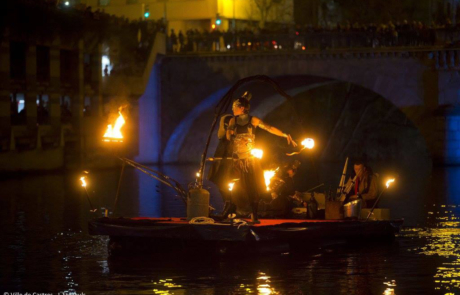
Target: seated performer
{"points": [[246, 168], [365, 187]]}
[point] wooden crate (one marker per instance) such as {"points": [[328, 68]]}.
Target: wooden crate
{"points": [[334, 210]]}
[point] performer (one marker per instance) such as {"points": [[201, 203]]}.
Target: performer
{"points": [[221, 169], [246, 168], [365, 187]]}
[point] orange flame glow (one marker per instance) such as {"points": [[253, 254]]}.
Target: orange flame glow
{"points": [[268, 175], [230, 186], [114, 133], [83, 181], [257, 153], [389, 181], [308, 143]]}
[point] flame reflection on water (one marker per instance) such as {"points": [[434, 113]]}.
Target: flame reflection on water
{"points": [[442, 240]]}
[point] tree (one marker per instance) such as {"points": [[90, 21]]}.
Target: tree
{"points": [[265, 8]]}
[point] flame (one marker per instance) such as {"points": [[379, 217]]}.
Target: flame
{"points": [[83, 181], [257, 153], [308, 143], [230, 186], [198, 174], [389, 181], [115, 131], [268, 175]]}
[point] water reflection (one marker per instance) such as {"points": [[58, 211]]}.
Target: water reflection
{"points": [[45, 245], [442, 239]]}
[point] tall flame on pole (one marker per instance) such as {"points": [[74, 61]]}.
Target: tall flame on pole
{"points": [[84, 184], [114, 133], [268, 175], [83, 181], [389, 182]]}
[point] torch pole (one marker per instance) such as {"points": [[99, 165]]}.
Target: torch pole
{"points": [[89, 201], [118, 188], [375, 204]]}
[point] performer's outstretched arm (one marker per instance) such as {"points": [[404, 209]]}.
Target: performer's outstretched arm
{"points": [[273, 130]]}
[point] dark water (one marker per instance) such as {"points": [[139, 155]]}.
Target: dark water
{"points": [[44, 245]]}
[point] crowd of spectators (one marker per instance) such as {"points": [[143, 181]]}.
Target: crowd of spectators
{"points": [[306, 37]]}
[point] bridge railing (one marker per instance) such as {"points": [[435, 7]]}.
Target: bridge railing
{"points": [[245, 42]]}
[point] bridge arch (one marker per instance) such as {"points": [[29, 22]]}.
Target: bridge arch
{"points": [[187, 140]]}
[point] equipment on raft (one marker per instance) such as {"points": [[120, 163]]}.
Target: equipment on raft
{"points": [[197, 203]]}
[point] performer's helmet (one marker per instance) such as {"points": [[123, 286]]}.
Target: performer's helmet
{"points": [[243, 101]]}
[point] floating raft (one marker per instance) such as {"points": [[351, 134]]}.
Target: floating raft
{"points": [[164, 233]]}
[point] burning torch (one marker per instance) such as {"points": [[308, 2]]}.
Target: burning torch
{"points": [[113, 133], [307, 143], [83, 184], [389, 181]]}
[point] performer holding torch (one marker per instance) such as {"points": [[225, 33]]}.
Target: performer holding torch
{"points": [[246, 168]]}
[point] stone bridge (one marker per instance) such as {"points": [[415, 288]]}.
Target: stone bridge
{"points": [[374, 95]]}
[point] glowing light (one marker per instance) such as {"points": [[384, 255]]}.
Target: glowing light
{"points": [[257, 153], [213, 26], [147, 14], [230, 186], [268, 175], [228, 46], [218, 21], [198, 174], [115, 132], [83, 181], [67, 3], [308, 143], [389, 181], [303, 47]]}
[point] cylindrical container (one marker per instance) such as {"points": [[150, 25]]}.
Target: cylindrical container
{"points": [[352, 209], [197, 203]]}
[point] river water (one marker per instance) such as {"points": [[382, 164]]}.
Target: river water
{"points": [[45, 246]]}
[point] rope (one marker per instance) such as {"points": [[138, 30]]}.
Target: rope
{"points": [[201, 220], [240, 222]]}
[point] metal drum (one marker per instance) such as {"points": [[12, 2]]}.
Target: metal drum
{"points": [[352, 209], [197, 203]]}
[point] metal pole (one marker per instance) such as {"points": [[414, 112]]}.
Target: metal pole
{"points": [[118, 188], [373, 207], [89, 201]]}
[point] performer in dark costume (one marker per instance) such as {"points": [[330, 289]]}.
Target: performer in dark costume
{"points": [[246, 168], [221, 169]]}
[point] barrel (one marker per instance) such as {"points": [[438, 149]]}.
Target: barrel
{"points": [[197, 203]]}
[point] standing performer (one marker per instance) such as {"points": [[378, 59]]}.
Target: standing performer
{"points": [[241, 131], [220, 171]]}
